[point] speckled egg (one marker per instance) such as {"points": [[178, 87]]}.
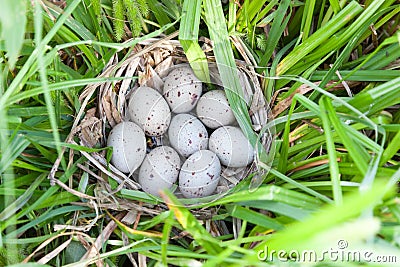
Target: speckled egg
{"points": [[129, 146], [213, 109], [159, 170], [182, 89], [149, 110], [200, 174], [231, 146], [187, 134]]}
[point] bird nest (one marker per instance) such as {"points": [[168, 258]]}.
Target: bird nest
{"points": [[104, 104]]}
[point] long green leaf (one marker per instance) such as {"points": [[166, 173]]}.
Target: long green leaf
{"points": [[356, 151], [253, 217], [392, 148], [319, 37], [228, 71], [13, 149], [283, 155], [188, 37], [376, 99], [307, 18], [38, 21], [45, 217], [22, 200], [360, 75], [277, 28], [271, 192], [326, 107], [158, 10], [335, 5], [12, 33], [191, 224]]}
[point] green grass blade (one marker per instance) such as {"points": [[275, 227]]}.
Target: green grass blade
{"points": [[350, 105], [326, 107], [329, 12], [391, 149], [307, 19], [376, 99], [13, 148], [63, 85], [227, 68], [22, 200], [301, 187], [356, 152], [283, 155], [45, 217], [319, 37], [386, 52], [253, 8], [168, 224], [335, 6], [271, 192], [253, 217], [310, 105], [384, 20], [277, 28], [232, 18], [192, 225], [289, 211], [158, 10], [359, 75], [366, 18], [61, 198], [188, 37], [44, 80], [49, 192], [268, 92], [11, 32]]}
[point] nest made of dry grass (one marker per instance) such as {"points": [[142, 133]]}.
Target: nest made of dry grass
{"points": [[147, 64]]}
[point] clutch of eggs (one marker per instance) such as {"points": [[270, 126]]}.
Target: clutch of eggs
{"points": [[193, 159]]}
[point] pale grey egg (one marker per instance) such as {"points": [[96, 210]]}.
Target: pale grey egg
{"points": [[149, 110], [200, 174], [187, 134], [159, 170], [213, 109], [231, 146], [129, 146], [182, 89]]}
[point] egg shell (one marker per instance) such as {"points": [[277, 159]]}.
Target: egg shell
{"points": [[213, 109], [231, 146], [182, 89], [129, 146], [187, 134], [149, 110], [159, 170], [200, 174]]}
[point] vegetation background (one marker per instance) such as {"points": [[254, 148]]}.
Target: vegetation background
{"points": [[330, 71]]}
